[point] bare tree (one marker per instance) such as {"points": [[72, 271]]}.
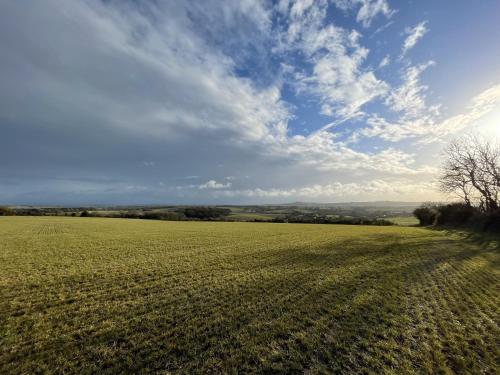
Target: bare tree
{"points": [[472, 171]]}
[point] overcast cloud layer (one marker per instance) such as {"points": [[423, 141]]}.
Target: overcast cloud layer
{"points": [[118, 102]]}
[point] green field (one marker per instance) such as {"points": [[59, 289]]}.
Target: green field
{"points": [[403, 220], [91, 295]]}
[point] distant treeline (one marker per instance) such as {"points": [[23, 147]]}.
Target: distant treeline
{"points": [[187, 213], [180, 214], [191, 213], [43, 211], [321, 219], [6, 211]]}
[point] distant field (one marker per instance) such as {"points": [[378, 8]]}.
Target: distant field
{"points": [[403, 220], [91, 295]]}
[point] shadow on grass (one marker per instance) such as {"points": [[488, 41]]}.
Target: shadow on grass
{"points": [[487, 240], [342, 307]]}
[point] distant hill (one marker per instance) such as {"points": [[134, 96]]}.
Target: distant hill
{"points": [[378, 204]]}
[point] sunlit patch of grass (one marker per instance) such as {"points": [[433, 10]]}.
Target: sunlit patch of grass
{"points": [[113, 295]]}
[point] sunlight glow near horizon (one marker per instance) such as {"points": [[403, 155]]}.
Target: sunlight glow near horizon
{"points": [[490, 126]]}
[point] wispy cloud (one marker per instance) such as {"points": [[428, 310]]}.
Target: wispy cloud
{"points": [[481, 105], [413, 36], [212, 184], [368, 9], [431, 127], [410, 97], [384, 62]]}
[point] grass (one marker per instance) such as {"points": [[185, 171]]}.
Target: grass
{"points": [[91, 295], [406, 221]]}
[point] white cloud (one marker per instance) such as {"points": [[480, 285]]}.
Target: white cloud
{"points": [[481, 105], [429, 127], [368, 10], [394, 132], [212, 184], [414, 35], [409, 98], [323, 152], [345, 4], [299, 7], [384, 62], [343, 87], [338, 77], [365, 190]]}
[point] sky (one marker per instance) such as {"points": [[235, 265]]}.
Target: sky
{"points": [[240, 102]]}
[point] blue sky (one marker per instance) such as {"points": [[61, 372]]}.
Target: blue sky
{"points": [[128, 102]]}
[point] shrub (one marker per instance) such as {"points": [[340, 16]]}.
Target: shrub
{"points": [[455, 214], [492, 222], [426, 214]]}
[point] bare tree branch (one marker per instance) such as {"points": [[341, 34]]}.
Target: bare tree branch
{"points": [[471, 171]]}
